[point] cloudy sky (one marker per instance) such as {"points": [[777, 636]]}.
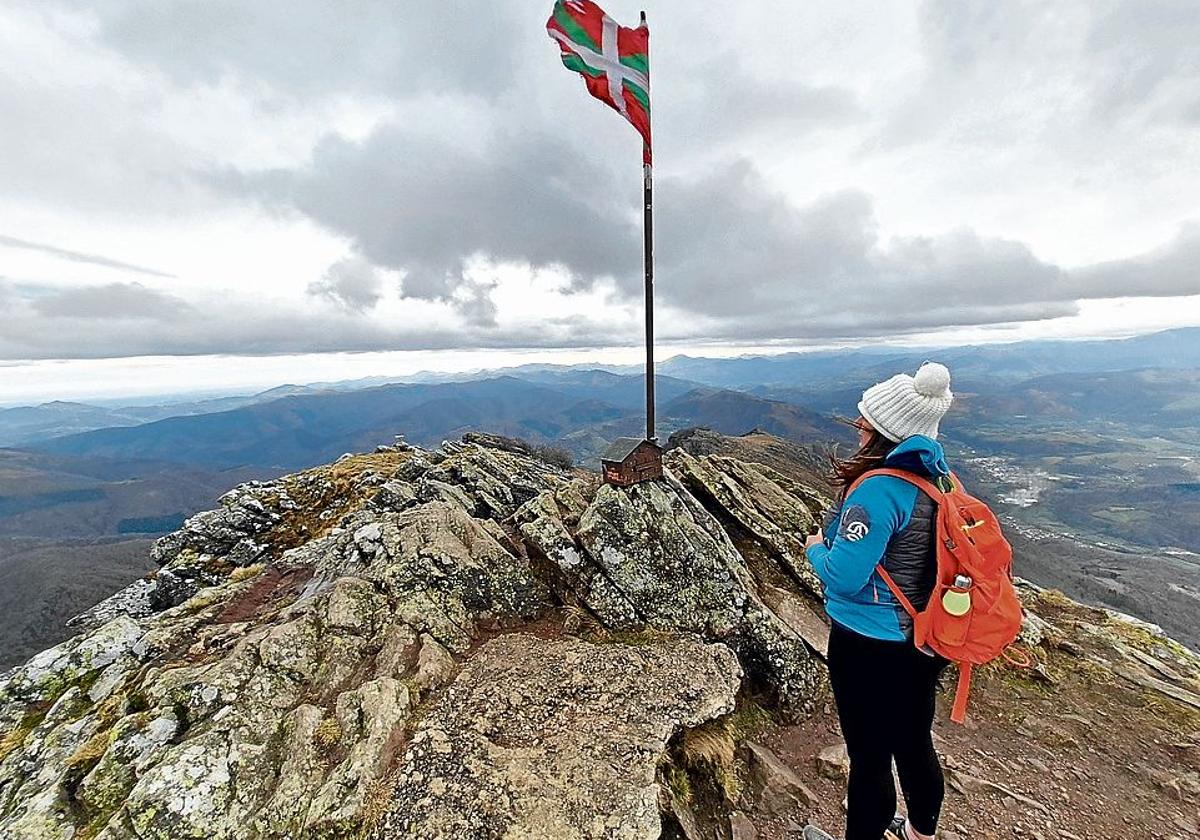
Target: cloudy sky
{"points": [[200, 195]]}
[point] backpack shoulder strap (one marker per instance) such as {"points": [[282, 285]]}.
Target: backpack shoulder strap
{"points": [[905, 603], [932, 490], [923, 484]]}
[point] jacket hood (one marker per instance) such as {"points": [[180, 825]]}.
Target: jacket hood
{"points": [[919, 451]]}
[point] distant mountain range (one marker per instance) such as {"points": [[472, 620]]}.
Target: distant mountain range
{"points": [[304, 429], [1173, 350], [25, 424], [144, 479], [810, 373]]}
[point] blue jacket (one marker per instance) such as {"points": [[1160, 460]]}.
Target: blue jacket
{"points": [[885, 520]]}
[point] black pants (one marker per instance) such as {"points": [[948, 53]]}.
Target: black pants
{"points": [[885, 699]]}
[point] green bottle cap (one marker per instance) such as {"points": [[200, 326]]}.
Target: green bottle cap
{"points": [[956, 602]]}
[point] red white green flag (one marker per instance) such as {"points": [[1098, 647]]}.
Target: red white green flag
{"points": [[614, 60]]}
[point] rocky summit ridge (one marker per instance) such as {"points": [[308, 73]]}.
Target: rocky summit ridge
{"points": [[473, 643]]}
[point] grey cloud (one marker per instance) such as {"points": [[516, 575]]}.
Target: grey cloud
{"points": [[115, 301], [266, 59], [474, 303], [218, 327], [718, 102], [1146, 58], [742, 263], [77, 256], [962, 35], [119, 163], [1170, 270], [735, 251], [316, 47], [313, 47], [730, 246], [352, 283], [730, 249], [425, 207], [1064, 69], [818, 324], [736, 258], [1009, 56]]}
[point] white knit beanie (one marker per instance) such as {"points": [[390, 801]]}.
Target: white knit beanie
{"points": [[905, 405]]}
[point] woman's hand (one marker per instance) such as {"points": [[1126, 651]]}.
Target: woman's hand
{"points": [[815, 539]]}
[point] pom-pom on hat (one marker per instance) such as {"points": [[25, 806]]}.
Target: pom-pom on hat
{"points": [[905, 405]]}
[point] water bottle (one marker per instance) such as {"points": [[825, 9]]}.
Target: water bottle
{"points": [[957, 599]]}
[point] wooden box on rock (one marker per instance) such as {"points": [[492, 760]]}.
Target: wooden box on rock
{"points": [[631, 460]]}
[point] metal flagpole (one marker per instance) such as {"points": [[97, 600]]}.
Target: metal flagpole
{"points": [[648, 229]]}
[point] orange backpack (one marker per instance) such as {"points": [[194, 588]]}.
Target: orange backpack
{"points": [[969, 542]]}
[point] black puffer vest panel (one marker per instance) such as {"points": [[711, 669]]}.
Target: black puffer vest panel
{"points": [[911, 557]]}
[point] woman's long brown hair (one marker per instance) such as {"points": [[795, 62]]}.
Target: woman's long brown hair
{"points": [[870, 456]]}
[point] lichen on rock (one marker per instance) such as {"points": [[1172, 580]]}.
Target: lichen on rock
{"points": [[653, 556]]}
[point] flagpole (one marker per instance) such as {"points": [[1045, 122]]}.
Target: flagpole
{"points": [[648, 257]]}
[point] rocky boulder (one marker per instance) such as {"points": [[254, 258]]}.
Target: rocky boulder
{"points": [[652, 556], [555, 739]]}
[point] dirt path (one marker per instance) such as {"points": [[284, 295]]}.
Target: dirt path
{"points": [[1088, 756]]}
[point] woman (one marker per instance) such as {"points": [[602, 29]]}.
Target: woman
{"points": [[883, 685]]}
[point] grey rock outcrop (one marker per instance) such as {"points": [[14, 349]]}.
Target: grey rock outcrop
{"points": [[652, 556], [467, 642], [555, 739], [287, 671]]}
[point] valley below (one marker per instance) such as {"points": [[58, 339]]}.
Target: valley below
{"points": [[1110, 515]]}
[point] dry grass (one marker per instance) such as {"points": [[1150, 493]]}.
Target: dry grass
{"points": [[711, 744], [1137, 636], [376, 799], [710, 748], [89, 752], [326, 494], [705, 757], [246, 572], [1009, 678], [632, 638], [749, 719], [579, 621], [1050, 603], [15, 737], [327, 735], [111, 709], [355, 466], [1175, 715]]}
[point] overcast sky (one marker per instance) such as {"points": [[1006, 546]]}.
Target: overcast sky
{"points": [[273, 181]]}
